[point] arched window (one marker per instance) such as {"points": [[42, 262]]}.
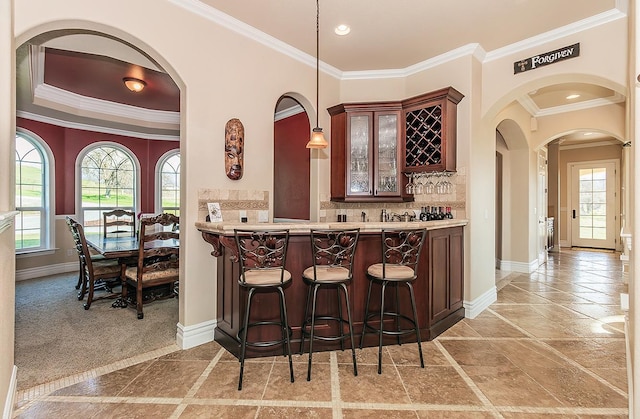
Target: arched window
{"points": [[33, 196], [168, 183], [108, 179]]}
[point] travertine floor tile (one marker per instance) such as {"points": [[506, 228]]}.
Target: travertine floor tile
{"points": [[551, 347]]}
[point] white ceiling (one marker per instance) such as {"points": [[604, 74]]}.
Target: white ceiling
{"points": [[395, 34], [385, 35]]}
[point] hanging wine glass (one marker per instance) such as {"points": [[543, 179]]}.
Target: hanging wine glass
{"points": [[409, 188], [418, 184]]}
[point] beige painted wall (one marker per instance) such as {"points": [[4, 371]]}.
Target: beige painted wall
{"points": [[574, 155], [58, 258], [222, 75]]}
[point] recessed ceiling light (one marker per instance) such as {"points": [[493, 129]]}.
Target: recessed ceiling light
{"points": [[574, 96], [342, 29], [587, 133]]}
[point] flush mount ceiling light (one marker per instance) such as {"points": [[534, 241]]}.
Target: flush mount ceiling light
{"points": [[133, 84], [573, 96], [317, 137], [342, 29]]}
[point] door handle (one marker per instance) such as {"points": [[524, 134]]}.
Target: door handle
{"points": [[574, 214]]}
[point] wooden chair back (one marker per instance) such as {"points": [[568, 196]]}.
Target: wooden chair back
{"points": [[119, 221], [158, 259], [89, 272]]}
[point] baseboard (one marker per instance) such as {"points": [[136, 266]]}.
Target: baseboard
{"points": [[191, 336], [59, 268], [473, 308], [11, 395], [522, 267]]}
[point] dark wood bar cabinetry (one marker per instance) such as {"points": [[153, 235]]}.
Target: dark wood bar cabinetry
{"points": [[439, 287], [365, 152]]}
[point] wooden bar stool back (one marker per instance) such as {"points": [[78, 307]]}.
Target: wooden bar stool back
{"points": [[333, 252], [400, 256], [262, 256]]}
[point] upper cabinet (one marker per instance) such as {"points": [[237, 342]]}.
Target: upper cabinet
{"points": [[430, 131], [373, 145], [366, 163]]}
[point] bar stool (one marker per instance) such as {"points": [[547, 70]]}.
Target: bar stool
{"points": [[400, 256], [262, 256], [333, 252]]}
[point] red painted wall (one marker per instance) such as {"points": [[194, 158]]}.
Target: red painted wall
{"points": [[67, 143], [291, 167]]}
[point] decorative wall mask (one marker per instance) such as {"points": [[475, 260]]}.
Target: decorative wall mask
{"points": [[234, 148]]}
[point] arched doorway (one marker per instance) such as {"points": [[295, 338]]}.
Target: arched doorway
{"points": [[291, 161], [65, 95]]}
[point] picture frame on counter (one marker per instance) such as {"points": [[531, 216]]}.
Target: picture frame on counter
{"points": [[215, 214]]}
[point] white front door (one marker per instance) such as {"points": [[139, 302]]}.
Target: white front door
{"points": [[593, 205]]}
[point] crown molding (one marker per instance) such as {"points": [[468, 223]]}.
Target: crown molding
{"points": [[96, 128], [210, 13], [250, 32], [558, 33], [65, 98], [589, 145], [529, 105], [6, 218], [286, 113]]}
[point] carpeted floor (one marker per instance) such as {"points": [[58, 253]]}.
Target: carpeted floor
{"points": [[56, 337]]}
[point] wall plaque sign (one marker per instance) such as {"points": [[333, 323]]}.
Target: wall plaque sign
{"points": [[546, 58]]}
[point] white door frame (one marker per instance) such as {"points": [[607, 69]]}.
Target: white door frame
{"points": [[542, 176], [616, 227]]}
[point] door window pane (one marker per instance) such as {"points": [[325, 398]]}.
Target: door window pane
{"points": [[593, 199]]}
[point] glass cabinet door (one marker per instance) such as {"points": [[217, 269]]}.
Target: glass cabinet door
{"points": [[359, 181], [387, 154]]}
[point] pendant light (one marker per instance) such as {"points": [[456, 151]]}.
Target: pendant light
{"points": [[317, 137]]}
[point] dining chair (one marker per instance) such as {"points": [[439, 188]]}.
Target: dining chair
{"points": [[262, 257], [95, 273], [94, 257], [400, 256], [333, 252], [158, 262], [119, 222]]}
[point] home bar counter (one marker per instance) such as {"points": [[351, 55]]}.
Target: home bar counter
{"points": [[439, 287]]}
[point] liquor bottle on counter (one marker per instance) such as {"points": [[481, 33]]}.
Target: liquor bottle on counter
{"points": [[448, 214], [423, 214]]}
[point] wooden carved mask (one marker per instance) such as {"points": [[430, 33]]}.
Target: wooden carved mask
{"points": [[234, 148]]}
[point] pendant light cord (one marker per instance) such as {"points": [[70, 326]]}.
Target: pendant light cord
{"points": [[317, 63]]}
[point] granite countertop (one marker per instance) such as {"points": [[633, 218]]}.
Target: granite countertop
{"points": [[226, 228]]}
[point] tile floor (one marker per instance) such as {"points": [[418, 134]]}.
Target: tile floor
{"points": [[551, 346]]}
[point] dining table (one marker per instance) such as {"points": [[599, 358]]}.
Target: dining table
{"points": [[113, 246], [125, 247], [122, 246]]}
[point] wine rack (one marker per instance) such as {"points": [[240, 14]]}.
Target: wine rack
{"points": [[424, 136], [430, 131]]}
